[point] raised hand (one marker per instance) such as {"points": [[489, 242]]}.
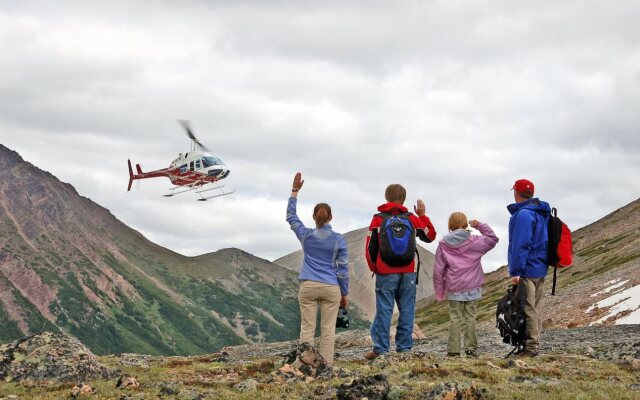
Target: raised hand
{"points": [[474, 223], [297, 182], [419, 208]]}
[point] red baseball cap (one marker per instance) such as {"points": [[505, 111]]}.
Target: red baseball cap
{"points": [[523, 185]]}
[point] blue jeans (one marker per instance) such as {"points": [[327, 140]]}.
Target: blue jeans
{"points": [[401, 289]]}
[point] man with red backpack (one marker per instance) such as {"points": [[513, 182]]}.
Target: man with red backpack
{"points": [[528, 257], [390, 251]]}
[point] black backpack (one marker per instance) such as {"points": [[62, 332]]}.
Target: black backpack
{"points": [[510, 318], [397, 239]]}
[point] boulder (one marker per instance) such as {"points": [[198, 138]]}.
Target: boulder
{"points": [[456, 391], [127, 382], [304, 361], [52, 357], [375, 387], [82, 390]]}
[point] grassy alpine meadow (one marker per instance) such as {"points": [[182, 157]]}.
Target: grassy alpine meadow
{"points": [[555, 376]]}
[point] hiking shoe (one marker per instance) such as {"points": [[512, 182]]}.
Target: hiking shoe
{"points": [[471, 353], [372, 355], [453, 354], [526, 354]]}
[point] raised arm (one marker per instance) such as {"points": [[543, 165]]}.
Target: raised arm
{"points": [[424, 228], [489, 239], [296, 225]]}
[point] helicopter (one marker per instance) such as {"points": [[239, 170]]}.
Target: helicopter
{"points": [[190, 171]]}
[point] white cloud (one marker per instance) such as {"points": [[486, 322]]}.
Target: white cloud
{"points": [[455, 100]]}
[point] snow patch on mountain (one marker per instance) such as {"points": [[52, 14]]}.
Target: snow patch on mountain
{"points": [[627, 300]]}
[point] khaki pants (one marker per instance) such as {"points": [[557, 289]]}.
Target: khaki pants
{"points": [[534, 287], [311, 295], [462, 312]]}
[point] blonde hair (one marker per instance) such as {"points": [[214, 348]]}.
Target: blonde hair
{"points": [[321, 214], [395, 193], [457, 220]]}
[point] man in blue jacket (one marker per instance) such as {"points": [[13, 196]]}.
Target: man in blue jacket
{"points": [[528, 256]]}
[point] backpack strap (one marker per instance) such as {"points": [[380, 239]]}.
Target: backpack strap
{"points": [[418, 267], [552, 232]]}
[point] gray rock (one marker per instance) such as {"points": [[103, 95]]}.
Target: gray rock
{"points": [[169, 389], [533, 380], [52, 357], [634, 386], [135, 360], [456, 391], [373, 387], [250, 385]]}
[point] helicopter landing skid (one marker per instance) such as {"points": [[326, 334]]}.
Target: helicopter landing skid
{"points": [[222, 193], [199, 189]]}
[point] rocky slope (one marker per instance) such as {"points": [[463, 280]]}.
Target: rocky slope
{"points": [[606, 263], [67, 264], [362, 284], [580, 363]]}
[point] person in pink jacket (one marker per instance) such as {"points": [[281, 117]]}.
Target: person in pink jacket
{"points": [[458, 275]]}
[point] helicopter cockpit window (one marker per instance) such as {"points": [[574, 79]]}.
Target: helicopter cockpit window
{"points": [[198, 166], [210, 161], [183, 168]]}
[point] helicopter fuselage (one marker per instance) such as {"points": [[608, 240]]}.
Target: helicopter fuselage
{"points": [[194, 168]]}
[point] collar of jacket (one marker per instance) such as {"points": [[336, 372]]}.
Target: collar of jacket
{"points": [[392, 208], [456, 238], [533, 204], [325, 227]]}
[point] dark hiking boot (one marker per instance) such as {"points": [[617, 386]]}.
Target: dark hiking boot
{"points": [[526, 354], [453, 354], [372, 355], [471, 353]]}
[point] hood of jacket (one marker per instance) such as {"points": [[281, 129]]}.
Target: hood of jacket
{"points": [[456, 238], [392, 208], [534, 204]]}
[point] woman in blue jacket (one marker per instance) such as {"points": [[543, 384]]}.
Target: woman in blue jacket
{"points": [[324, 273]]}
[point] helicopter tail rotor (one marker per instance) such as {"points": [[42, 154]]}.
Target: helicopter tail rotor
{"points": [[130, 176], [187, 127]]}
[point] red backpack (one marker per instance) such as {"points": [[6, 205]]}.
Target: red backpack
{"points": [[560, 250]]}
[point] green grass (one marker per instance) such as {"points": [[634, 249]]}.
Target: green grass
{"points": [[564, 376]]}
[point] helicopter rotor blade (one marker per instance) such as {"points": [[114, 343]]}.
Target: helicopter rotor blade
{"points": [[187, 127]]}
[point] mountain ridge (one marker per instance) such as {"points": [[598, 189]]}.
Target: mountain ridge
{"points": [[67, 263]]}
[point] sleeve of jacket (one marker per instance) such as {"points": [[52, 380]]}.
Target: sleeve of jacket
{"points": [[342, 265], [520, 243], [296, 225], [488, 240], [372, 245], [424, 229], [439, 270]]}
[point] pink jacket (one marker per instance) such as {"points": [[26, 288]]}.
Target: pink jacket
{"points": [[457, 267]]}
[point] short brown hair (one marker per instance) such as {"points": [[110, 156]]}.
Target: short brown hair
{"points": [[395, 193], [458, 220], [321, 214], [526, 195]]}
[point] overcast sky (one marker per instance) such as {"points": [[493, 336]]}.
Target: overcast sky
{"points": [[453, 99]]}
